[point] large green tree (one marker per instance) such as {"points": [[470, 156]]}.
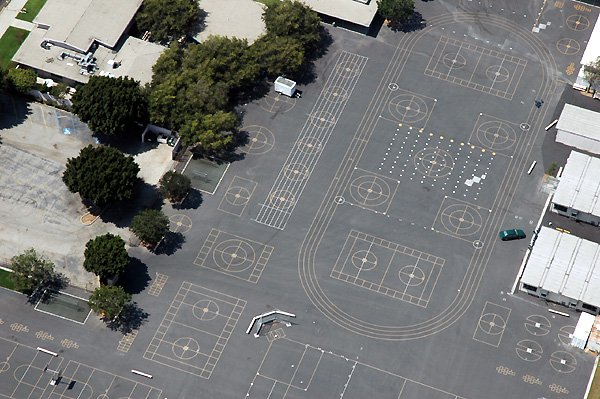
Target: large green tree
{"points": [[293, 19], [591, 72], [111, 105], [395, 10], [108, 301], [101, 174], [30, 270], [168, 19], [22, 80], [211, 132], [278, 55], [174, 185], [106, 256], [150, 226]]}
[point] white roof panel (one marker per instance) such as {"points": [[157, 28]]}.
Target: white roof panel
{"points": [[579, 185], [579, 121], [566, 265]]}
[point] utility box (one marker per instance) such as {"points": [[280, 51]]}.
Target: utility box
{"points": [[285, 86]]}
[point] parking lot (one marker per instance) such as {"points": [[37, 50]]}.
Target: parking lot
{"points": [[369, 209]]}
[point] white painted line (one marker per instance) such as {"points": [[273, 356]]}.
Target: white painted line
{"points": [[550, 126], [559, 313], [141, 373], [589, 385], [47, 351]]}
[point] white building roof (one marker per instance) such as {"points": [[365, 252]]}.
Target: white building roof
{"points": [[592, 50], [579, 121], [80, 22], [232, 18], [565, 264], [358, 12], [579, 186]]}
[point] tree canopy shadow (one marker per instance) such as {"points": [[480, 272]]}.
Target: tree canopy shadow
{"points": [[121, 213], [136, 277], [14, 111], [48, 289], [193, 200], [411, 24], [132, 317], [171, 242]]}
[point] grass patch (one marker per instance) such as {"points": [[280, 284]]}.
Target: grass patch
{"points": [[10, 43], [5, 280], [33, 7], [595, 388], [268, 2]]}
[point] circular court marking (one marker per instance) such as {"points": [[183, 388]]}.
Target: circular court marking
{"points": [[296, 171], [454, 61], [577, 22], [492, 324], [497, 73], [496, 135], [529, 350], [524, 126], [277, 103], [103, 396], [461, 219], [364, 260], [370, 190], [411, 275], [322, 119], [186, 348], [4, 366], [339, 200], [282, 199], [477, 244], [565, 334], [309, 145], [408, 108], [393, 86], [205, 310], [237, 195], [434, 162], [568, 46], [260, 140], [563, 362], [347, 69], [335, 94], [234, 255], [537, 325], [180, 223]]}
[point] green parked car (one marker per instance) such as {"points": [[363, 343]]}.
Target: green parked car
{"points": [[513, 234]]}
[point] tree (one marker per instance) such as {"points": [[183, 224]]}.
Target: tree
{"points": [[101, 174], [150, 226], [111, 105], [591, 72], [395, 10], [207, 132], [278, 55], [22, 80], [30, 270], [295, 20], [174, 185], [106, 256], [168, 19], [59, 90], [108, 301]]}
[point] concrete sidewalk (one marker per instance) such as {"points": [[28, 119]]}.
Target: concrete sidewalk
{"points": [[9, 14]]}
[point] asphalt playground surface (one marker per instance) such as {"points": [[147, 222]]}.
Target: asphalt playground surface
{"points": [[370, 209]]}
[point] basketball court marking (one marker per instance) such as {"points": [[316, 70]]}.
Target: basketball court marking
{"points": [[537, 325], [237, 196], [371, 190], [260, 140], [27, 372], [292, 369], [277, 103], [180, 223], [491, 324], [158, 284], [388, 268], [410, 109], [495, 134], [460, 219], [234, 255], [285, 192], [195, 330], [463, 63]]}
